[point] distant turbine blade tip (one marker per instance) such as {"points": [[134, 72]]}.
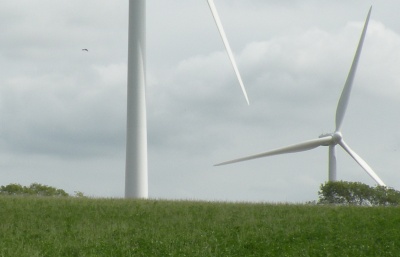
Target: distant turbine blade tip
{"points": [[227, 46]]}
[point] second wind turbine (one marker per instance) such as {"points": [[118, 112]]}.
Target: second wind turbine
{"points": [[331, 139]]}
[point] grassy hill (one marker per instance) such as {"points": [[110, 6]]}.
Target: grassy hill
{"points": [[40, 226]]}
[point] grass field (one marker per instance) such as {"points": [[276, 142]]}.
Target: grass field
{"points": [[40, 226]]}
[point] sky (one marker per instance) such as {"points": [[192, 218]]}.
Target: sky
{"points": [[63, 110]]}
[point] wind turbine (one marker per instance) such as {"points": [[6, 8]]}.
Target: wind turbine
{"points": [[331, 139], [136, 174]]}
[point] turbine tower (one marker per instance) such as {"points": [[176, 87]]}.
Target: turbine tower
{"points": [[334, 138], [136, 177], [136, 174]]}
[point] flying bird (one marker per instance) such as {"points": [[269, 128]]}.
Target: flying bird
{"points": [[84, 49]]}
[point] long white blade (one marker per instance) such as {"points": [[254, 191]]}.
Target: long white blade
{"points": [[304, 146], [344, 98], [362, 163], [227, 46]]}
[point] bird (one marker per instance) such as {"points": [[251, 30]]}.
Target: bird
{"points": [[84, 49]]}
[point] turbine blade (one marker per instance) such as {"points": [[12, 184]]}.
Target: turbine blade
{"points": [[362, 163], [344, 98], [227, 46], [304, 146]]}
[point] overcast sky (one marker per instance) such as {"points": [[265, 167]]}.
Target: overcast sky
{"points": [[63, 110]]}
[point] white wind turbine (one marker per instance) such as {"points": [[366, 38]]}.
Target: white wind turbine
{"points": [[136, 175], [331, 139]]}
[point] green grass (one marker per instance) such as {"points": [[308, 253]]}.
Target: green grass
{"points": [[39, 226]]}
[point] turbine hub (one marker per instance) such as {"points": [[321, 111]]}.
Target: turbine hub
{"points": [[337, 137]]}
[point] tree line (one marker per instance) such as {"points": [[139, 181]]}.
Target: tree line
{"points": [[332, 192], [35, 189], [356, 193]]}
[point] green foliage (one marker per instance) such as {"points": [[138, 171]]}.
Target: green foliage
{"points": [[34, 189], [386, 196], [79, 194], [70, 226], [356, 193], [13, 189]]}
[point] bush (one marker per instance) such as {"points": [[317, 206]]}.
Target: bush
{"points": [[34, 189], [13, 189], [356, 193]]}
